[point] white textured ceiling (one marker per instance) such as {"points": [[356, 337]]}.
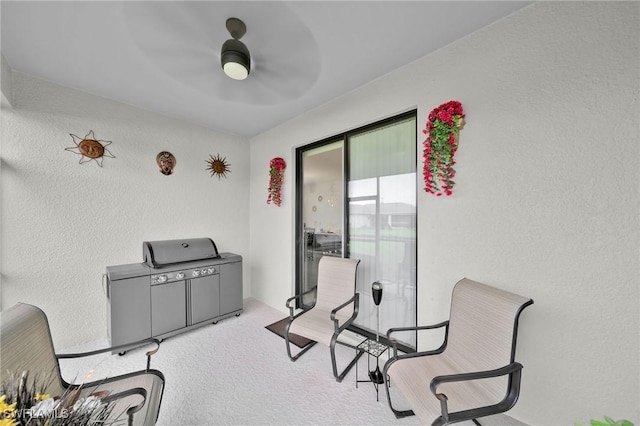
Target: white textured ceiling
{"points": [[164, 56]]}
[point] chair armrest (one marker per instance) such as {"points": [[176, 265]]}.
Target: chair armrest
{"points": [[356, 301], [475, 375], [117, 348], [394, 342], [514, 370], [106, 397], [129, 392], [299, 296]]}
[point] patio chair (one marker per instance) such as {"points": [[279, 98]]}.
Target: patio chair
{"points": [[26, 347], [334, 308], [473, 373]]}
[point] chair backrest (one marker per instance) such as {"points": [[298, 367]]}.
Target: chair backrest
{"points": [[336, 284], [483, 326], [26, 345]]}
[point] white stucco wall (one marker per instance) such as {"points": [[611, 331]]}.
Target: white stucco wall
{"points": [[64, 222], [5, 83], [546, 202], [5, 103]]}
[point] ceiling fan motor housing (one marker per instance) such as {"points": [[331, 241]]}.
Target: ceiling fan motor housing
{"points": [[235, 53]]}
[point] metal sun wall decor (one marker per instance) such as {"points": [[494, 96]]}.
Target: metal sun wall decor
{"points": [[218, 166], [90, 148], [166, 161], [276, 173]]}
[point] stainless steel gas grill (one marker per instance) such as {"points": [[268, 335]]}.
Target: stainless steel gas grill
{"points": [[179, 286]]}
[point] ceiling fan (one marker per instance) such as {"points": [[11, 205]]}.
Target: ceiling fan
{"points": [[235, 56], [186, 41]]}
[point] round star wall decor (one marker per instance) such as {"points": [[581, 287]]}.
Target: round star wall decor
{"points": [[218, 166]]}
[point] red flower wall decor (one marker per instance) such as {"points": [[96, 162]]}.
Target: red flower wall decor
{"points": [[442, 129], [276, 172]]}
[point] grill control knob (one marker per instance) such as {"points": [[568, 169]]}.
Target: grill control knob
{"points": [[203, 272], [180, 275], [195, 273], [211, 270], [162, 278]]}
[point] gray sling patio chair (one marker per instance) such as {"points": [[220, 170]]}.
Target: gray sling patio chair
{"points": [[473, 373], [334, 309], [26, 347]]}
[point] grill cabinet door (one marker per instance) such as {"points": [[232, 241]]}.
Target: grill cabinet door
{"points": [[205, 298], [129, 311], [230, 287], [168, 307]]}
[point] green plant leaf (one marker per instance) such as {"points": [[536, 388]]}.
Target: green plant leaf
{"points": [[609, 422]]}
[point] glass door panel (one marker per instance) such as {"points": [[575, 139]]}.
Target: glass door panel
{"points": [[382, 223], [320, 210]]}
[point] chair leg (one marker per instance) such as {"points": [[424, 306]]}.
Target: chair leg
{"points": [[295, 357], [387, 383], [398, 413], [332, 350], [286, 339]]}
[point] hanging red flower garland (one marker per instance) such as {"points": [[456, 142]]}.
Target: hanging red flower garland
{"points": [[276, 171], [443, 128]]}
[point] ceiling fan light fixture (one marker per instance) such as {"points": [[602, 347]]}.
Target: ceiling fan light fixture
{"points": [[235, 71], [235, 57]]}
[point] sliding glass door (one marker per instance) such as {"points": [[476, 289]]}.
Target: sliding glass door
{"points": [[364, 182]]}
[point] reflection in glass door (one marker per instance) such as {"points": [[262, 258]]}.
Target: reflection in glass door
{"points": [[382, 223], [320, 186]]}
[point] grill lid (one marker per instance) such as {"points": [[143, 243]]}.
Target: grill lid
{"points": [[160, 253]]}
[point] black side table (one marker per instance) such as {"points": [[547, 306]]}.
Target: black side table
{"points": [[372, 349]]}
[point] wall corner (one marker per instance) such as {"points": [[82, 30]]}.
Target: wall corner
{"points": [[5, 82]]}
